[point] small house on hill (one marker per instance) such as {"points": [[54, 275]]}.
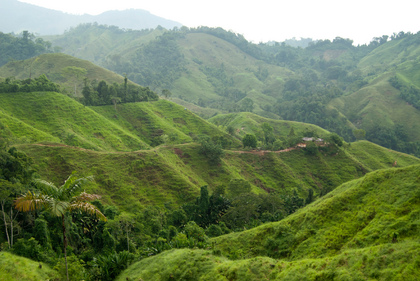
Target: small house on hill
{"points": [[318, 140]]}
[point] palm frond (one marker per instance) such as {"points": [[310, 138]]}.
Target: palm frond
{"points": [[74, 185], [85, 197], [88, 208], [58, 207], [31, 201], [46, 187]]}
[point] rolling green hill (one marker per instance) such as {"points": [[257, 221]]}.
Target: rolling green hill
{"points": [[176, 173], [53, 117], [366, 229], [53, 66], [250, 123], [147, 160], [62, 136]]}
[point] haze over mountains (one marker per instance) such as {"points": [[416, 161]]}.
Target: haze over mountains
{"points": [[17, 16]]}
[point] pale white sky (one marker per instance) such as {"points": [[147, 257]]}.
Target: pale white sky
{"points": [[265, 20]]}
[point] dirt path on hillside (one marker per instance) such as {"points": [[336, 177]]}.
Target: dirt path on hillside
{"points": [[262, 152], [255, 152]]}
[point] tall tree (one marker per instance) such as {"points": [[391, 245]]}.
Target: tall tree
{"points": [[74, 73], [59, 201]]}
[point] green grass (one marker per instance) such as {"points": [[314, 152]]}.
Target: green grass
{"points": [[175, 174], [52, 66], [250, 123], [54, 117], [380, 208], [17, 268], [376, 157], [378, 104], [384, 262], [162, 117]]}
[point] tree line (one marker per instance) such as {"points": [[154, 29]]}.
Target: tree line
{"points": [[22, 46], [100, 93], [12, 85]]}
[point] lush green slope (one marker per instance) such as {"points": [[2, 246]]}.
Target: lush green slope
{"points": [[381, 110], [377, 108], [53, 117], [162, 119], [22, 269], [366, 229], [53, 65], [175, 174], [214, 66], [35, 117], [385, 262], [250, 123]]}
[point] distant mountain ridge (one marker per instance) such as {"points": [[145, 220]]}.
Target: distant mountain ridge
{"points": [[17, 16]]}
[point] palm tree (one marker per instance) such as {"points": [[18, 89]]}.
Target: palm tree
{"points": [[60, 200]]}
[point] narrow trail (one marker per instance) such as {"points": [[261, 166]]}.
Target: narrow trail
{"points": [[262, 152], [255, 152]]}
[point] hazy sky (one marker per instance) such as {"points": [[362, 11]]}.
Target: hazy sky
{"points": [[265, 20]]}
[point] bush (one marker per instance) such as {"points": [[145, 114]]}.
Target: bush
{"points": [[214, 230], [76, 268], [212, 151], [111, 265], [30, 248], [192, 230], [249, 140]]}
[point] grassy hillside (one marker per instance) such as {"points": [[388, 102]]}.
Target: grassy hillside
{"points": [[366, 229], [132, 180], [250, 123], [53, 65], [162, 119], [382, 262], [53, 117], [210, 58], [378, 105], [15, 268]]}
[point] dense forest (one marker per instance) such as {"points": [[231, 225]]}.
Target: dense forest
{"points": [[21, 47]]}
